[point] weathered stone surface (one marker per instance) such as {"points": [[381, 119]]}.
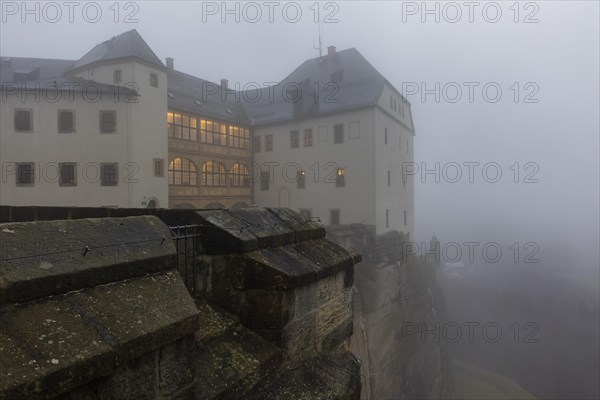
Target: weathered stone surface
{"points": [[175, 365], [229, 365], [304, 229], [269, 230], [265, 310], [135, 379], [326, 377], [213, 322], [227, 233], [299, 338], [54, 346], [339, 336], [47, 348], [333, 314], [246, 230], [47, 258], [142, 314]]}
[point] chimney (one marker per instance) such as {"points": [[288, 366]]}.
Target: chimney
{"points": [[331, 50], [224, 88], [170, 63]]}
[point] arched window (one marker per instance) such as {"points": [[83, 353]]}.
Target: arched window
{"points": [[239, 176], [213, 174], [182, 172], [152, 203]]}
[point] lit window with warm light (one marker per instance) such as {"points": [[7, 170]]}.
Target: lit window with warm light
{"points": [[341, 177]]}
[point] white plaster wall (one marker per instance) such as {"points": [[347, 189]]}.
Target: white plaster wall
{"points": [[355, 200], [141, 136]]}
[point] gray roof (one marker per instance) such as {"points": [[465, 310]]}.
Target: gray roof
{"points": [[198, 96], [125, 45], [337, 82], [37, 68], [345, 81], [48, 74]]}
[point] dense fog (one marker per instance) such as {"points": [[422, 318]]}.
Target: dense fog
{"points": [[505, 103]]}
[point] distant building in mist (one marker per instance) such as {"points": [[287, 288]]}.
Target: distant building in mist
{"points": [[125, 130]]}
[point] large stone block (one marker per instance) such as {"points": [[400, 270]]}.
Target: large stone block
{"points": [[53, 346], [38, 259], [47, 348]]}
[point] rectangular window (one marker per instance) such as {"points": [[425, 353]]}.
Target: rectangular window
{"points": [[387, 218], [264, 180], [338, 133], [25, 174], [308, 138], [66, 121], [294, 139], [385, 136], [389, 178], [340, 180], [257, 144], [159, 167], [354, 130], [23, 121], [181, 126], [405, 218], [334, 217], [108, 121], [306, 212], [153, 79], [238, 137], [301, 180], [68, 174], [109, 174], [117, 75], [269, 143]]}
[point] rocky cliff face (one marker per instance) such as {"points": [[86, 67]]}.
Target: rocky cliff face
{"points": [[396, 308]]}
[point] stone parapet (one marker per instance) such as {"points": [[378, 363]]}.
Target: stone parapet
{"points": [[281, 276], [96, 326]]}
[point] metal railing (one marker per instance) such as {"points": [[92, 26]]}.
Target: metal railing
{"points": [[187, 245]]}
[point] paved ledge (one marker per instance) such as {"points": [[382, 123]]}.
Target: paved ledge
{"points": [[53, 346], [38, 259]]}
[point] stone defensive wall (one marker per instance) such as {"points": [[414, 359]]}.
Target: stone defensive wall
{"points": [[100, 303]]}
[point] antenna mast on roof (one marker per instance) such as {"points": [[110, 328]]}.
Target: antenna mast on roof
{"points": [[320, 47]]}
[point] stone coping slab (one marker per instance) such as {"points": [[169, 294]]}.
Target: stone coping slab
{"points": [[249, 229], [294, 265], [52, 346], [38, 259]]}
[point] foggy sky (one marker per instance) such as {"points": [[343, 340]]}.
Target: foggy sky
{"points": [[558, 55]]}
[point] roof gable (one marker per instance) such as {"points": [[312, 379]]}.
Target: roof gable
{"points": [[337, 82], [125, 45]]}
